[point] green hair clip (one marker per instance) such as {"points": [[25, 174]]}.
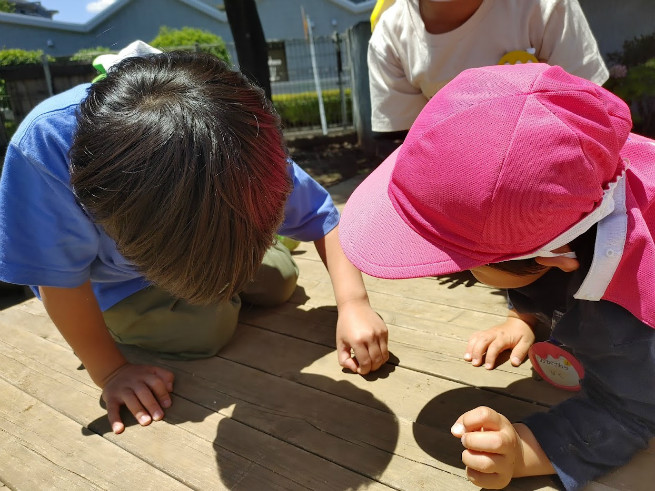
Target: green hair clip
{"points": [[101, 63]]}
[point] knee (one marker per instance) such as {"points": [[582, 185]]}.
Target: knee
{"points": [[272, 287], [275, 281]]}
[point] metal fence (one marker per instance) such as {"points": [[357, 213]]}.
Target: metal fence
{"points": [[300, 82], [311, 91]]}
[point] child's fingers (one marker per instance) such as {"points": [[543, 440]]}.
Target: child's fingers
{"points": [[478, 348], [167, 376], [363, 359], [158, 388], [114, 415], [487, 463], [149, 402], [345, 358], [375, 354], [458, 429], [480, 418], [493, 442], [486, 480], [134, 405], [494, 349], [384, 347], [520, 352], [468, 354]]}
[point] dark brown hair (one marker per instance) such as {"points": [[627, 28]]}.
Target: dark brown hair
{"points": [[182, 162], [583, 245], [520, 267]]}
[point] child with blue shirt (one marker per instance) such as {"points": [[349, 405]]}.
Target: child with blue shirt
{"points": [[530, 178], [143, 210]]}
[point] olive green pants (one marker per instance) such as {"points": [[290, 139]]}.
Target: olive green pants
{"points": [[155, 320]]}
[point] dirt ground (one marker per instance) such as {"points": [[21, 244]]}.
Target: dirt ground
{"points": [[331, 159]]}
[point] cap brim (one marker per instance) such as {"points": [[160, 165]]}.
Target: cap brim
{"points": [[378, 241]]}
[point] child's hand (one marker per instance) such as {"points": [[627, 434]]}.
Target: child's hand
{"points": [[359, 328], [144, 389], [493, 447], [514, 334]]}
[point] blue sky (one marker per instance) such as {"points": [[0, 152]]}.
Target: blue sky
{"points": [[78, 11]]}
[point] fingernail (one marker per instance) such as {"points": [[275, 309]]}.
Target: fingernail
{"points": [[467, 356], [487, 366], [166, 403], [515, 361], [457, 429], [116, 427], [144, 418], [475, 361], [462, 440], [157, 415]]}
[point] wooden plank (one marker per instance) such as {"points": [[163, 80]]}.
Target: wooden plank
{"points": [[399, 453], [374, 388], [416, 350], [42, 449], [352, 435], [407, 391], [423, 348], [437, 290], [189, 449], [637, 475], [339, 419]]}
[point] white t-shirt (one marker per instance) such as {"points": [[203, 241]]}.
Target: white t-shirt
{"points": [[407, 65]]}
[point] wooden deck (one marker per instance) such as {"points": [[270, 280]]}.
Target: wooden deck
{"points": [[275, 410]]}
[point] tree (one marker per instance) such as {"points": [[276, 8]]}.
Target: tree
{"points": [[249, 41], [188, 38], [7, 6]]}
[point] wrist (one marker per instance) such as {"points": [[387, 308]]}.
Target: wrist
{"points": [[354, 301], [112, 374], [531, 459], [524, 319], [103, 372]]}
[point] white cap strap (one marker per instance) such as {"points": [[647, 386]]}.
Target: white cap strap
{"points": [[610, 242]]}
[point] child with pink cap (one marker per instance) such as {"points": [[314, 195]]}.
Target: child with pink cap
{"points": [[530, 178]]}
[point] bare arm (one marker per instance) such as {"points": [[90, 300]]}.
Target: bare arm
{"points": [[78, 317], [533, 461], [144, 389], [359, 328]]}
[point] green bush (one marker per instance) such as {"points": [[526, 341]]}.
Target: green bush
{"points": [[5, 6], [302, 109], [636, 86], [633, 82], [10, 128], [9, 57], [632, 78], [189, 38], [634, 51], [90, 54]]}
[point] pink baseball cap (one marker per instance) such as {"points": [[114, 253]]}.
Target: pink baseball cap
{"points": [[501, 162]]}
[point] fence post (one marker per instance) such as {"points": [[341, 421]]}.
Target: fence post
{"points": [[336, 38], [358, 37], [48, 76], [4, 140]]}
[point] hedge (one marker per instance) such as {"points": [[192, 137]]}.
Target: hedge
{"points": [[302, 109]]}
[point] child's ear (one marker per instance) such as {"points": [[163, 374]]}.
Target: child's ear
{"points": [[566, 264]]}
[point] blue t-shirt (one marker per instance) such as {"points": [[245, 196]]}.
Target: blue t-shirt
{"points": [[47, 239]]}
